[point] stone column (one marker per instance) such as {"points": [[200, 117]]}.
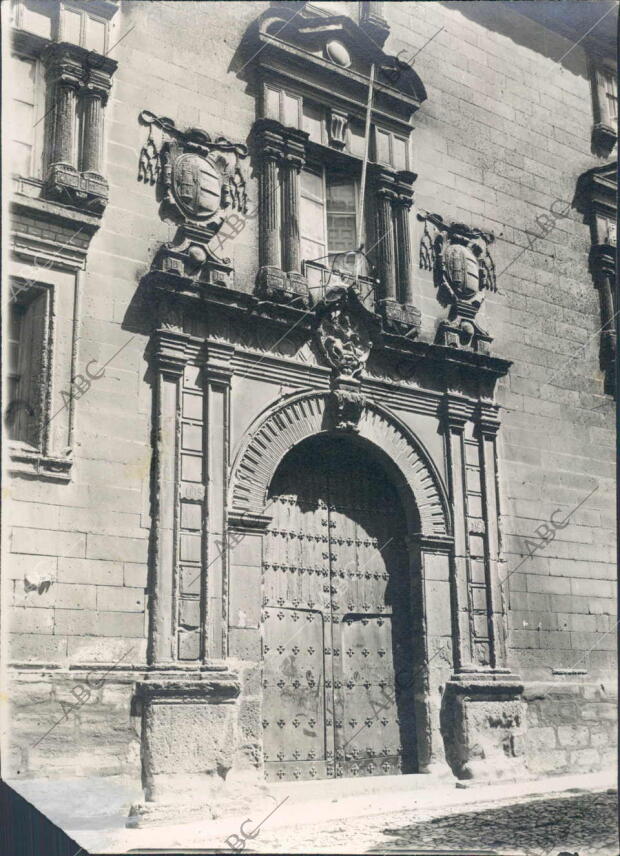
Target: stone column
{"points": [[384, 238], [217, 374], [269, 144], [62, 116], [94, 97], [456, 412], [603, 268], [402, 206], [71, 74], [292, 164], [488, 425], [168, 360], [92, 139]]}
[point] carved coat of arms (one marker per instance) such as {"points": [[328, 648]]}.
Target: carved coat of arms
{"points": [[345, 332], [200, 185], [196, 186], [463, 269]]}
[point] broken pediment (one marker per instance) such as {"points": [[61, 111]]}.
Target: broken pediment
{"points": [[332, 55]]}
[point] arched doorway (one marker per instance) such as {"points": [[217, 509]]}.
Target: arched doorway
{"points": [[337, 629]]}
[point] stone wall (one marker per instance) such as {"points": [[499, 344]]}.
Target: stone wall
{"points": [[571, 727], [505, 133]]}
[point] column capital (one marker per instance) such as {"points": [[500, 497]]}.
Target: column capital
{"points": [[603, 259], [456, 411], [295, 148], [385, 181], [269, 138], [404, 188], [487, 419], [96, 88], [217, 361], [170, 351], [64, 64]]}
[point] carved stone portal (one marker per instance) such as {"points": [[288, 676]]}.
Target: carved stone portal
{"points": [[462, 271], [345, 331], [200, 186]]}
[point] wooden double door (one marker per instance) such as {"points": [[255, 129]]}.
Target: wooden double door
{"points": [[338, 680]]}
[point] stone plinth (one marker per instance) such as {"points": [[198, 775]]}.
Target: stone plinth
{"points": [[483, 722], [189, 730]]}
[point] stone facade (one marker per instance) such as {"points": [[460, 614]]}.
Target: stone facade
{"points": [[192, 356]]}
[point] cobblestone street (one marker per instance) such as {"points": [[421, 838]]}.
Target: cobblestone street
{"points": [[585, 824], [582, 824]]}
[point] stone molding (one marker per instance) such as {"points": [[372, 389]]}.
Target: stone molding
{"points": [[597, 201], [303, 415], [455, 367]]}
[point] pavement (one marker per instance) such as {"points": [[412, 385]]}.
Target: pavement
{"points": [[415, 814]]}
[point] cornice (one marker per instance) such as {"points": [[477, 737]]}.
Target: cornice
{"points": [[203, 298], [597, 190]]}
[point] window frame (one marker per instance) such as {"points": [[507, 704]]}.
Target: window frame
{"points": [[604, 128], [38, 262], [316, 166], [58, 26], [36, 167], [44, 383], [610, 92], [85, 14], [391, 135]]}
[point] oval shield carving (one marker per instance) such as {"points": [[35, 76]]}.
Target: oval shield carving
{"points": [[197, 186]]}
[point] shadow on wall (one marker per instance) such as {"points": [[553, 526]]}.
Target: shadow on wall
{"points": [[531, 27]]}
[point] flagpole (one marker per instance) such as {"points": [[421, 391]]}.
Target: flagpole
{"points": [[360, 217]]}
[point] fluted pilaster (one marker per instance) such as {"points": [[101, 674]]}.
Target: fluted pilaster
{"points": [[385, 193], [292, 164]]}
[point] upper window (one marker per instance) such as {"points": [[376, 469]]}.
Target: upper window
{"points": [[26, 111], [610, 88], [296, 111], [62, 22], [391, 149], [605, 106], [328, 214]]}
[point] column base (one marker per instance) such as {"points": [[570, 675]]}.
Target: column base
{"points": [[190, 255], [483, 722], [274, 284], [400, 318], [87, 190], [465, 334]]}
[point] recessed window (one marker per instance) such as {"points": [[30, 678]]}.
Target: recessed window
{"points": [[610, 88], [65, 22], [25, 111], [328, 214], [283, 106], [391, 149], [28, 363], [81, 27], [36, 16], [313, 121]]}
